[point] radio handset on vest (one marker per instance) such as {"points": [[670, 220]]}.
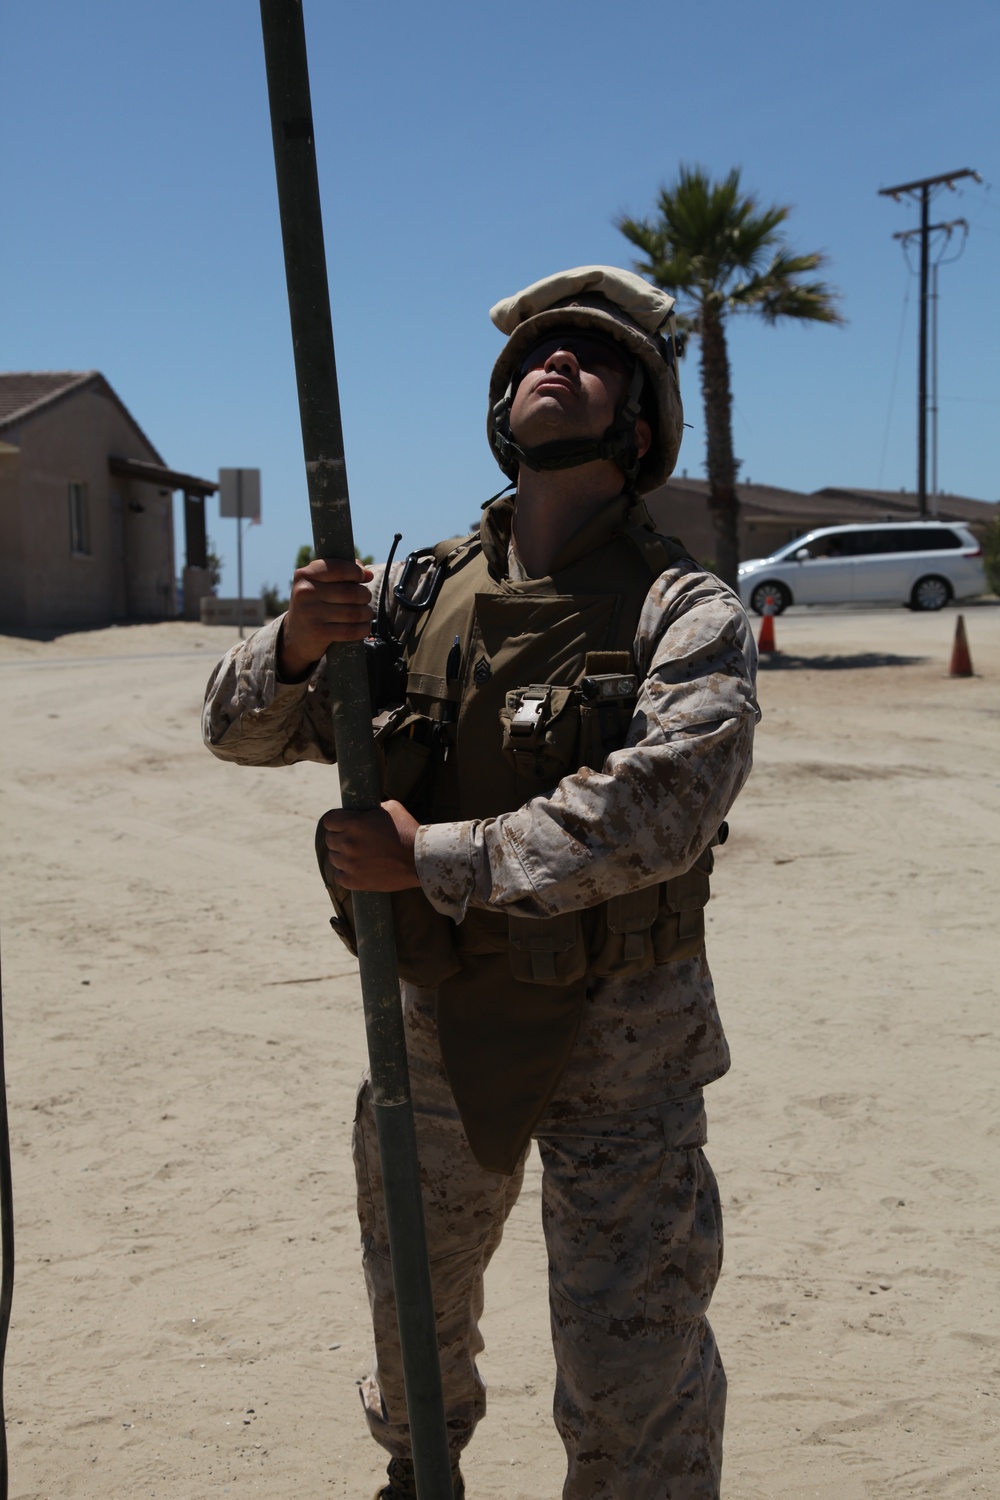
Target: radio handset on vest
{"points": [[384, 652], [418, 587]]}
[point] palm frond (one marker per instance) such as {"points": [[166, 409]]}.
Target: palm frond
{"points": [[809, 302], [716, 249]]}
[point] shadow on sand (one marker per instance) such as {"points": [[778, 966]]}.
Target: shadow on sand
{"points": [[786, 661], [56, 632]]}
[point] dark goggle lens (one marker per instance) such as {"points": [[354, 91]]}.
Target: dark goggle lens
{"points": [[590, 354]]}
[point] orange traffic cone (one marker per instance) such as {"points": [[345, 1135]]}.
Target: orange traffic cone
{"points": [[961, 661], [765, 641]]}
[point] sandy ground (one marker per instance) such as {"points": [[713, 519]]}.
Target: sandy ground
{"points": [[183, 1041]]}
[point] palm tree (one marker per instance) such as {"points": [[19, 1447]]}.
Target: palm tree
{"points": [[715, 249]]}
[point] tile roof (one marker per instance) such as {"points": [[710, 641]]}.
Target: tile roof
{"points": [[902, 504], [833, 506], [21, 392]]}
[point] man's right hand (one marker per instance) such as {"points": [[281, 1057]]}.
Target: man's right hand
{"points": [[329, 602]]}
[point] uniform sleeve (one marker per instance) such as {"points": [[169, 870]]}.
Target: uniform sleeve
{"points": [[656, 803], [254, 719]]}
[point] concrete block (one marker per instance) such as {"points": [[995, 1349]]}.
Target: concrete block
{"points": [[227, 611]]}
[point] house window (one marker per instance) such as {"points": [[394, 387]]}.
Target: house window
{"points": [[79, 521]]}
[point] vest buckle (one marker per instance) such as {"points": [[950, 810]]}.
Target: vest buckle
{"points": [[531, 714]]}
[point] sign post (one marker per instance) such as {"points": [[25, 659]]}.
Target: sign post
{"points": [[239, 496]]}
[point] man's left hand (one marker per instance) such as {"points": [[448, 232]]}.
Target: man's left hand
{"points": [[372, 851]]}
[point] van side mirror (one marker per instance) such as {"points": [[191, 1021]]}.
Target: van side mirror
{"points": [[803, 555]]}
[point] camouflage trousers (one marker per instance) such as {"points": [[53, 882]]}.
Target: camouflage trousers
{"points": [[632, 1226]]}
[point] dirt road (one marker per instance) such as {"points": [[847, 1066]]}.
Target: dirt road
{"points": [[184, 1040]]}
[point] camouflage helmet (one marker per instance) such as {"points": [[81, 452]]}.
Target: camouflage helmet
{"points": [[615, 305]]}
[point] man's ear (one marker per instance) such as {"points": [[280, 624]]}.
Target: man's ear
{"points": [[643, 436]]}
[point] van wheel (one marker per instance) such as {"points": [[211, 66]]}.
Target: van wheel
{"points": [[776, 592], [930, 593]]}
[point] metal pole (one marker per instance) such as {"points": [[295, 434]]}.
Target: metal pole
{"points": [[333, 536], [239, 549], [925, 231], [923, 186], [934, 389], [925, 199], [6, 1251]]}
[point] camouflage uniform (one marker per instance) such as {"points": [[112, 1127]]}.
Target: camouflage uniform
{"points": [[630, 1208]]}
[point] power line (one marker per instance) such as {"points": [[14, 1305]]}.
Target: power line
{"points": [[921, 189]]}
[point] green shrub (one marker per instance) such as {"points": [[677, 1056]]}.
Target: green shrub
{"points": [[274, 605], [214, 564], [991, 555]]}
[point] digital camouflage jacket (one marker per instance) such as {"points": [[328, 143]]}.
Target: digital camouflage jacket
{"points": [[555, 894]]}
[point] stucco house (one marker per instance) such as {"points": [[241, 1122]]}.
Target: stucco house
{"points": [[86, 509], [770, 517]]}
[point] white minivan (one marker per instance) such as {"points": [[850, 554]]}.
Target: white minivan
{"points": [[922, 564]]}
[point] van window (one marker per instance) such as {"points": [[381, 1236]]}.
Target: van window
{"points": [[868, 541], [861, 542], [833, 545], [929, 539], [936, 539]]}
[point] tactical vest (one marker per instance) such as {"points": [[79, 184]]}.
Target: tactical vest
{"points": [[511, 686]]}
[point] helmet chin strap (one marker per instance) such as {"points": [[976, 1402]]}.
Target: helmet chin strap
{"points": [[619, 443]]}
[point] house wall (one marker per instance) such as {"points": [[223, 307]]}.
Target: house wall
{"points": [[683, 513], [151, 590], [11, 549], [129, 571], [762, 537], [677, 511]]}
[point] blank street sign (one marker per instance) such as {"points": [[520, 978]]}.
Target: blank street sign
{"points": [[239, 493]]}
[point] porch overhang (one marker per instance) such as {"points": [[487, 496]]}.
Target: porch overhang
{"points": [[167, 479]]}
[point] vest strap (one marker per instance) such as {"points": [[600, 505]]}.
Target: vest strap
{"points": [[659, 552]]}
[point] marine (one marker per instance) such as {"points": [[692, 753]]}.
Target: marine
{"points": [[572, 722]]}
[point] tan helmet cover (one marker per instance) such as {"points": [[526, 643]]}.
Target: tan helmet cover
{"points": [[618, 304]]}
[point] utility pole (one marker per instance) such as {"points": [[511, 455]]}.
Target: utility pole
{"points": [[922, 189], [934, 389], [904, 236], [239, 549]]}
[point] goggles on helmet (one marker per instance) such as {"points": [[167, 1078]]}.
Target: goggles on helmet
{"points": [[590, 353]]}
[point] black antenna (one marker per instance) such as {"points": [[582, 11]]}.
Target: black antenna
{"points": [[382, 616]]}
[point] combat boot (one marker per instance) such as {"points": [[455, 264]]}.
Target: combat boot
{"points": [[402, 1482]]}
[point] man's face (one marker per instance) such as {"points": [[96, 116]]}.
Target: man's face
{"points": [[571, 385]]}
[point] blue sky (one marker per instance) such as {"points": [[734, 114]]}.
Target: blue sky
{"points": [[464, 151]]}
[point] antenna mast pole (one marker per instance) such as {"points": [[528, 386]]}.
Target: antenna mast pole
{"points": [[333, 536]]}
